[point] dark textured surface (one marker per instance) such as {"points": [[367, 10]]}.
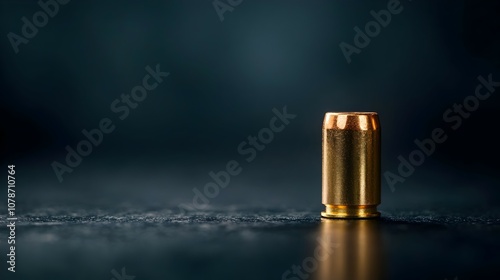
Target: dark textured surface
{"points": [[244, 243]]}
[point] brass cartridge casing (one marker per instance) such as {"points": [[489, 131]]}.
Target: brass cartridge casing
{"points": [[351, 165]]}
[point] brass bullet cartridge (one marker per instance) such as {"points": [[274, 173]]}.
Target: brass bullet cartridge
{"points": [[351, 165]]}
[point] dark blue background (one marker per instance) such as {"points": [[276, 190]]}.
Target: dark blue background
{"points": [[225, 79]]}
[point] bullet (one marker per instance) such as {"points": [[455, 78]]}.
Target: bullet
{"points": [[351, 165]]}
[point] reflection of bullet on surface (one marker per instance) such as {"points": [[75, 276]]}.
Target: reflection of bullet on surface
{"points": [[351, 165], [358, 251]]}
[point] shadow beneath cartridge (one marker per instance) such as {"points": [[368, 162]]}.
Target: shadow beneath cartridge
{"points": [[357, 250]]}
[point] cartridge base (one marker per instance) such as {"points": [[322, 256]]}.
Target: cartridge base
{"points": [[350, 212]]}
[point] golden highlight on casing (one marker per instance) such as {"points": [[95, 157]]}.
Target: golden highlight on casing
{"points": [[351, 165]]}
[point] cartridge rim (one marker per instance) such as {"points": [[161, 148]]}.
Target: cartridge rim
{"points": [[350, 212]]}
